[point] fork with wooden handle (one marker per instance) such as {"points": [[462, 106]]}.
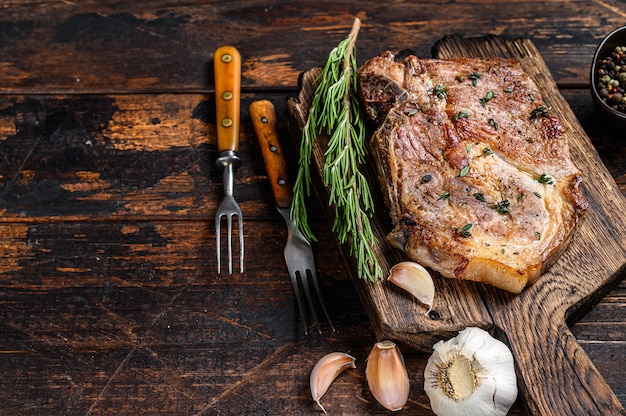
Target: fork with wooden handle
{"points": [[298, 252], [227, 66]]}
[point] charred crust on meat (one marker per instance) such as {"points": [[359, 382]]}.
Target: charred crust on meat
{"points": [[403, 54], [408, 222]]}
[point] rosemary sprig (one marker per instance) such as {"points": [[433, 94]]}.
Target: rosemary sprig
{"points": [[335, 112]]}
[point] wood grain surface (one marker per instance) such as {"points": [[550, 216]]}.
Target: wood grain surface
{"points": [[109, 297]]}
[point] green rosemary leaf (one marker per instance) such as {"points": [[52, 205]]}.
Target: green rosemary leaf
{"points": [[440, 91], [487, 98], [545, 179], [480, 197], [460, 115], [539, 112], [444, 195], [502, 207], [465, 230], [474, 76]]}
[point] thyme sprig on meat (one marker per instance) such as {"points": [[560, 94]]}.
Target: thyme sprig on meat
{"points": [[335, 112]]}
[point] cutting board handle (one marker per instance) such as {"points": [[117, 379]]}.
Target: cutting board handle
{"points": [[574, 385]]}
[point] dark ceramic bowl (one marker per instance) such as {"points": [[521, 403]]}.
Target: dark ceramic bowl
{"points": [[616, 38]]}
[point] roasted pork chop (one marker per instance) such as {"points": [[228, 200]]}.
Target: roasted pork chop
{"points": [[475, 167]]}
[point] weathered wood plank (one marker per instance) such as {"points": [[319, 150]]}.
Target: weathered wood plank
{"points": [[116, 156], [149, 318], [168, 46], [607, 140]]}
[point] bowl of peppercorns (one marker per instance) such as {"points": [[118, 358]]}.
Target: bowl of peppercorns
{"points": [[608, 75]]}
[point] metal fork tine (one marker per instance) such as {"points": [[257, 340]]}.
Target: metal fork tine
{"points": [[296, 291], [218, 227], [240, 223], [321, 299], [229, 224], [305, 284], [229, 227]]}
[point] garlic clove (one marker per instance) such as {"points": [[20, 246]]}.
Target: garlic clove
{"points": [[472, 374], [387, 376], [326, 371], [416, 280]]}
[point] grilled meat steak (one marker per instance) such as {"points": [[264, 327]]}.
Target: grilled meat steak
{"points": [[475, 168]]}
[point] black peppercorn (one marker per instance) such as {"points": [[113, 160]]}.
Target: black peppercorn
{"points": [[616, 98]]}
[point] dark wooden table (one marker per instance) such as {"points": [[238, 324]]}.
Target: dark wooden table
{"points": [[109, 296]]}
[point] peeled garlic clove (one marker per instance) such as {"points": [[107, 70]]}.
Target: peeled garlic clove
{"points": [[471, 374], [416, 280], [326, 371], [386, 375]]}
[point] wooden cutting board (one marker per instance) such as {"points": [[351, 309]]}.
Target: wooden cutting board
{"points": [[555, 376]]}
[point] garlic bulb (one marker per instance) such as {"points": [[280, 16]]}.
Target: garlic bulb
{"points": [[326, 371], [386, 375], [471, 374], [415, 279]]}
